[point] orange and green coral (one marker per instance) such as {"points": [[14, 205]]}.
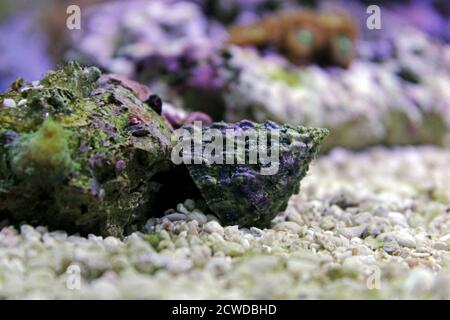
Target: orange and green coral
{"points": [[304, 36]]}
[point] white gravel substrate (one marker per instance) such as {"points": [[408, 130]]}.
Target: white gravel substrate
{"points": [[371, 225]]}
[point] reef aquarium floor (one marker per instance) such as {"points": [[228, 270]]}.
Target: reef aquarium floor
{"points": [[374, 224]]}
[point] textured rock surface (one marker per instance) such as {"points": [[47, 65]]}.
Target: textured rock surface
{"points": [[78, 152], [315, 249], [240, 193]]}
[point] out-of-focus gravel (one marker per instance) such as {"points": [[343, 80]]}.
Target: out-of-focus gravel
{"points": [[374, 224]]}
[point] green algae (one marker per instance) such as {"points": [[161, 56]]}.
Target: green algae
{"points": [[286, 77], [154, 239], [43, 155]]}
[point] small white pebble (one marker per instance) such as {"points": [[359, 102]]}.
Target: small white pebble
{"points": [[213, 227], [397, 218], [198, 216], [22, 102], [288, 225], [182, 209], [440, 245], [402, 237]]}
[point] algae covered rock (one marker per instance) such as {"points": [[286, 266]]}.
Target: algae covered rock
{"points": [[91, 153], [269, 162], [78, 151]]}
